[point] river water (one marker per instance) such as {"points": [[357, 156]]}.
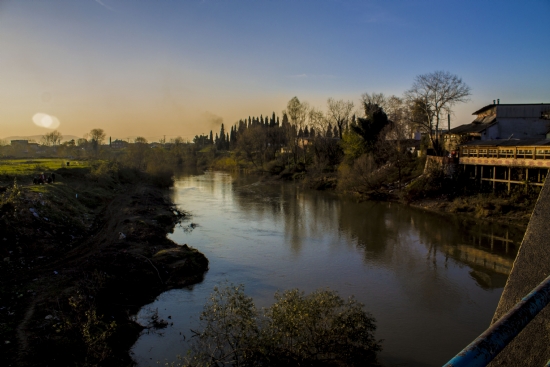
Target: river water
{"points": [[432, 282]]}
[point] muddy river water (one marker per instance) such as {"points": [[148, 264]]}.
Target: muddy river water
{"points": [[432, 282]]}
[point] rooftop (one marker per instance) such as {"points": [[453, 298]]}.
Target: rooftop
{"points": [[483, 109], [470, 128]]}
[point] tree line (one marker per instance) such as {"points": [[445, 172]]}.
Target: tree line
{"points": [[359, 144]]}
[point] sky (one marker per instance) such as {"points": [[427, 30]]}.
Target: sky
{"points": [[173, 68]]}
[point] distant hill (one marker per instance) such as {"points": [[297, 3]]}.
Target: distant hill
{"points": [[38, 138]]}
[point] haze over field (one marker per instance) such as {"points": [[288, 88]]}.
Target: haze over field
{"points": [[155, 68]]}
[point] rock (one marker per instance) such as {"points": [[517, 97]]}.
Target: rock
{"points": [[121, 236], [49, 317], [7, 259]]}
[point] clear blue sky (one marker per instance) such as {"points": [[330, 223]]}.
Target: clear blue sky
{"points": [[179, 67]]}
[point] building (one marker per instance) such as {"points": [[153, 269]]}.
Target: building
{"points": [[19, 143], [504, 121]]}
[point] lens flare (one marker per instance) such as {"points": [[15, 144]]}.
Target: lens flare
{"points": [[45, 120]]}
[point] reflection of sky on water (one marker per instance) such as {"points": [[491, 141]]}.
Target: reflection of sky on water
{"points": [[432, 282]]}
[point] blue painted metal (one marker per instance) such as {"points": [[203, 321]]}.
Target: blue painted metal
{"points": [[486, 346]]}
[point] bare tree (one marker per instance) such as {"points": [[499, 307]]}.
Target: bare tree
{"points": [[378, 99], [178, 140], [394, 107], [52, 138], [97, 135], [433, 95], [297, 112], [318, 121], [325, 150], [339, 112], [252, 146]]}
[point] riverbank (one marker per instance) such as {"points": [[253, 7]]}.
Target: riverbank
{"points": [[80, 256], [482, 207], [513, 208]]}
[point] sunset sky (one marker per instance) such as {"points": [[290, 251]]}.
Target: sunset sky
{"points": [[180, 67]]}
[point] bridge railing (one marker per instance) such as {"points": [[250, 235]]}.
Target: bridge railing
{"points": [[489, 344]]}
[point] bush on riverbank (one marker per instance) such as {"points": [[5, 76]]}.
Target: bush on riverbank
{"points": [[319, 329]]}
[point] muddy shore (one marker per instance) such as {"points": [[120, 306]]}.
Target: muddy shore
{"points": [[513, 210], [78, 259]]}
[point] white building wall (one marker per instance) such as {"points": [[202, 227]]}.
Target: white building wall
{"points": [[517, 128]]}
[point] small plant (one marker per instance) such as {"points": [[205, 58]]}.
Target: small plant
{"points": [[297, 330]]}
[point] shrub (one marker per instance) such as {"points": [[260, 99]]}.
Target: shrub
{"points": [[297, 330]]}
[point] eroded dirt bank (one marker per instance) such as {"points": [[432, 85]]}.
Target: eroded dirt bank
{"points": [[77, 261]]}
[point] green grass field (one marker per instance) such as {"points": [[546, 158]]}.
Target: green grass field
{"points": [[20, 167]]}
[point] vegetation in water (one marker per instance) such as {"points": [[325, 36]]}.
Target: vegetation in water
{"points": [[318, 329]]}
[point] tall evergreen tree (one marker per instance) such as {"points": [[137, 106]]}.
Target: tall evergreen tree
{"points": [[233, 137], [221, 144], [285, 120]]}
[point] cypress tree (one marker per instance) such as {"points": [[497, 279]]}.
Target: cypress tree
{"points": [[285, 120], [222, 138], [328, 133]]}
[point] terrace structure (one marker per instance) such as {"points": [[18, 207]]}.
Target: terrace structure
{"points": [[506, 162]]}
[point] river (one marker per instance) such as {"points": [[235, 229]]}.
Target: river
{"points": [[432, 282]]}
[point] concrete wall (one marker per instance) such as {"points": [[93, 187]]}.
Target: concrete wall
{"points": [[532, 265]]}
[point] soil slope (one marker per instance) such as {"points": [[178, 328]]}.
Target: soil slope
{"points": [[80, 257]]}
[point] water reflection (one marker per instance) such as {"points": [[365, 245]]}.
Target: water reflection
{"points": [[380, 229], [419, 273]]}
